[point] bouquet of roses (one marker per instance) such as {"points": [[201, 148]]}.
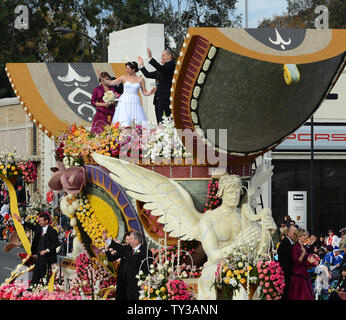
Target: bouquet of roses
{"points": [[271, 280]]}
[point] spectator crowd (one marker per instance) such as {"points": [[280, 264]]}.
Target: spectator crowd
{"points": [[314, 266]]}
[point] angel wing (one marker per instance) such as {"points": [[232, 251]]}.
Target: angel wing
{"points": [[262, 175], [164, 197]]}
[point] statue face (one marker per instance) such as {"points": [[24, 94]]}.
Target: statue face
{"points": [[231, 195]]}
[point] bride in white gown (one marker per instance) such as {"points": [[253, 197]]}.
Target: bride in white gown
{"points": [[129, 109]]}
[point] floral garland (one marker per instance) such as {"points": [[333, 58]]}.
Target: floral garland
{"points": [[19, 291], [76, 144], [212, 201], [12, 167], [90, 224]]}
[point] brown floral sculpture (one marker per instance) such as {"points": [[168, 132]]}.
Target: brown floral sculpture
{"points": [[72, 180]]}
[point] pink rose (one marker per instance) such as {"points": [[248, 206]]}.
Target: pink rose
{"points": [[265, 271], [261, 276], [266, 285], [266, 278], [264, 290]]}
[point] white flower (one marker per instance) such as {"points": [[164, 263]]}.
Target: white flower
{"points": [[240, 264], [196, 91], [139, 283], [206, 65], [194, 104], [201, 78], [161, 277], [212, 52], [140, 272]]}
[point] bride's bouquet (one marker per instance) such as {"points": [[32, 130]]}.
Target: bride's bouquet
{"points": [[110, 97]]}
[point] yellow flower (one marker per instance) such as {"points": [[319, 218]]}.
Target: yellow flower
{"points": [[13, 168], [15, 173], [242, 280], [236, 272], [229, 273], [163, 289], [8, 166], [2, 167], [164, 297], [227, 280], [4, 172], [239, 277], [157, 292], [249, 268]]}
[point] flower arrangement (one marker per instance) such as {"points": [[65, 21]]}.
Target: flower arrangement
{"points": [[110, 97], [271, 280], [29, 171], [239, 270], [212, 201], [31, 218], [157, 285], [19, 291], [76, 144], [12, 167], [91, 276], [163, 142], [233, 272]]}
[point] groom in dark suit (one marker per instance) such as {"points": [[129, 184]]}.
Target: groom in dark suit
{"points": [[43, 247], [285, 258], [133, 255], [163, 76]]}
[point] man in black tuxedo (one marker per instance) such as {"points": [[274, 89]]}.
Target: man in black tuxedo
{"points": [[113, 255], [133, 256], [285, 258], [163, 76], [43, 247]]}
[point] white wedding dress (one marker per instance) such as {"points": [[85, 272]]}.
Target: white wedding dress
{"points": [[129, 110]]}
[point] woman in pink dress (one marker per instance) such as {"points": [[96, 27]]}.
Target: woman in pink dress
{"points": [[104, 112], [300, 286]]}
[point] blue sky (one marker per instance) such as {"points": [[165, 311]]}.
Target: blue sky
{"points": [[258, 9]]}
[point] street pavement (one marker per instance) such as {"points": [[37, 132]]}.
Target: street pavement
{"points": [[8, 260]]}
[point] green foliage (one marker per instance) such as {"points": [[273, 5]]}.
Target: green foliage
{"points": [[301, 14]]}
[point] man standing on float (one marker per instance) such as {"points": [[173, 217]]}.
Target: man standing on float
{"points": [[163, 75]]}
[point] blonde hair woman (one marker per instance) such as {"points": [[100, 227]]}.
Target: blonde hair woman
{"points": [[300, 286]]}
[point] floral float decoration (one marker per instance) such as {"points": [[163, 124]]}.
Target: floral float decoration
{"points": [[160, 285], [150, 145], [265, 276], [12, 167]]}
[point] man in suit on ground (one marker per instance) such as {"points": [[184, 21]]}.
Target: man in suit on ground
{"points": [[113, 255], [133, 255], [163, 76], [43, 247], [285, 259]]}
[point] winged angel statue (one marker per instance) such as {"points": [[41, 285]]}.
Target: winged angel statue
{"points": [[221, 231]]}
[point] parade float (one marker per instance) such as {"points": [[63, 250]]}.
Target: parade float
{"points": [[189, 185]]}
